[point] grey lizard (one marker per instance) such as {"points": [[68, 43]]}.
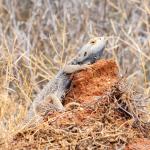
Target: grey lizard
{"points": [[51, 96]]}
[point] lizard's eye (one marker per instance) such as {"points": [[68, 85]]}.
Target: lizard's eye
{"points": [[85, 53], [93, 41]]}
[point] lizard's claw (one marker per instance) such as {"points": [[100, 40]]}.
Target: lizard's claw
{"points": [[86, 66]]}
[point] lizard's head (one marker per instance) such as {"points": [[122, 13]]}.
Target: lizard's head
{"points": [[91, 52]]}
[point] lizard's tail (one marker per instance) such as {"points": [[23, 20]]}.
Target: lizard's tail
{"points": [[31, 120]]}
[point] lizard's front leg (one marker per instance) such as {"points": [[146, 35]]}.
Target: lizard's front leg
{"points": [[73, 68]]}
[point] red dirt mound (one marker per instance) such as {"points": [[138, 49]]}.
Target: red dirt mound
{"points": [[95, 81], [87, 87]]}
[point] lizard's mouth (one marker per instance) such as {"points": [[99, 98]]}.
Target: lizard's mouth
{"points": [[92, 58]]}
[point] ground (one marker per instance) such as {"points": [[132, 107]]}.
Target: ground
{"points": [[92, 119]]}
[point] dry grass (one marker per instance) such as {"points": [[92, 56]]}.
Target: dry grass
{"points": [[34, 44], [112, 122]]}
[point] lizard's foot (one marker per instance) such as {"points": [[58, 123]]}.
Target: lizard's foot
{"points": [[50, 104], [72, 105], [57, 102], [74, 68], [43, 109], [85, 66]]}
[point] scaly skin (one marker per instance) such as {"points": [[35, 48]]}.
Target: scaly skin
{"points": [[56, 88]]}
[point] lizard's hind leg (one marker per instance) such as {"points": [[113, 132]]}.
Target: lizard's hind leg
{"points": [[50, 103], [57, 102]]}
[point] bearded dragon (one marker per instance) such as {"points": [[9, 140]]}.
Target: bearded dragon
{"points": [[51, 96]]}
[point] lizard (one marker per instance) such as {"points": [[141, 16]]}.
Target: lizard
{"points": [[51, 96]]}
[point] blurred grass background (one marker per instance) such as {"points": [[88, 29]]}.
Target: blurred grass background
{"points": [[38, 36]]}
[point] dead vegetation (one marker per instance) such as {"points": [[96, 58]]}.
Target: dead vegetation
{"points": [[38, 37], [106, 118]]}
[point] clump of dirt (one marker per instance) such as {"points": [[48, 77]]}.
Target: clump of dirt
{"points": [[100, 114], [95, 81]]}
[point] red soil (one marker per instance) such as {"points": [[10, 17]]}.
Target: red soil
{"points": [[95, 81], [139, 144]]}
